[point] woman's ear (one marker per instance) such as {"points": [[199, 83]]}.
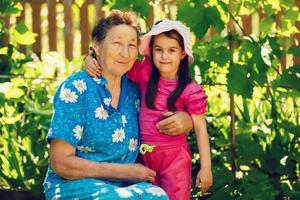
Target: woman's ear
{"points": [[95, 48]]}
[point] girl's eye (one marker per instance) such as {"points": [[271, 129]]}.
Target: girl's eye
{"points": [[172, 50], [132, 45], [157, 49], [117, 43]]}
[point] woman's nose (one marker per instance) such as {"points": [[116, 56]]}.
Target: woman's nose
{"points": [[125, 51]]}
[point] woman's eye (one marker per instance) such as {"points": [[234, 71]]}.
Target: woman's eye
{"points": [[132, 45], [117, 43], [157, 49]]}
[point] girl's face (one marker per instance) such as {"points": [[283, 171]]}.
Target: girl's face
{"points": [[167, 54]]}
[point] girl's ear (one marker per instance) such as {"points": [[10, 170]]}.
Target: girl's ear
{"points": [[183, 55]]}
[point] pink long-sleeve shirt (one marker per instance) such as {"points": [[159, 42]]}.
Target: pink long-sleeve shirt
{"points": [[192, 100]]}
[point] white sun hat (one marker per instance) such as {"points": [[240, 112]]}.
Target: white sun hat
{"points": [[164, 26]]}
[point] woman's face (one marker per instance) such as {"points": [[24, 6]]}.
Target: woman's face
{"points": [[118, 51]]}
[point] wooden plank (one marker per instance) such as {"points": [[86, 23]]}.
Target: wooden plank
{"points": [[52, 25], [68, 32], [246, 22], [150, 18], [36, 26], [99, 12], [296, 59], [84, 29]]}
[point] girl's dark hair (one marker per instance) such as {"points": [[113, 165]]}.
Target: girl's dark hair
{"points": [[183, 76], [115, 18]]}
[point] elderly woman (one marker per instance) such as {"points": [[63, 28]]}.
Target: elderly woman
{"points": [[93, 134]]}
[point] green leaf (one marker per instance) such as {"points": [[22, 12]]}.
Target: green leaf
{"points": [[220, 55], [142, 6], [26, 38], [214, 17], [295, 50], [266, 24], [238, 82], [289, 79], [21, 27]]}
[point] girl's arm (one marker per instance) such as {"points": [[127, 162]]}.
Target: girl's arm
{"points": [[204, 176], [64, 162], [134, 74]]}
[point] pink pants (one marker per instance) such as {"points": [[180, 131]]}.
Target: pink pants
{"points": [[172, 165]]}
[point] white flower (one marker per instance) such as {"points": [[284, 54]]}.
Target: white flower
{"points": [[124, 120], [156, 191], [49, 132], [99, 183], [107, 101], [103, 190], [133, 144], [80, 85], [101, 113], [68, 96], [123, 193], [96, 194], [98, 81], [119, 135], [85, 149], [135, 189], [137, 104], [78, 132]]}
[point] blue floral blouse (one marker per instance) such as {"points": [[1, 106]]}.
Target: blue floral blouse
{"points": [[84, 117]]}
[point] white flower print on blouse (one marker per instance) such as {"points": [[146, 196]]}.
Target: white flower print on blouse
{"points": [[68, 96], [133, 144], [124, 120], [78, 132], [137, 104], [123, 192], [80, 85], [135, 189], [85, 149], [101, 113], [49, 132], [119, 135], [107, 101], [156, 191], [98, 81]]}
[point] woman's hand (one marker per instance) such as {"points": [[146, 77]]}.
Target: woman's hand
{"points": [[204, 179], [92, 66], [139, 172], [175, 123]]}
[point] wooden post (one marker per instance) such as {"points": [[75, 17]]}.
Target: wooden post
{"points": [[231, 31], [84, 29], [68, 32], [296, 59], [246, 21], [150, 18], [52, 25], [36, 26]]}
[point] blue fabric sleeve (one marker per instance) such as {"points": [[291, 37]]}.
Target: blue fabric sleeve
{"points": [[69, 113]]}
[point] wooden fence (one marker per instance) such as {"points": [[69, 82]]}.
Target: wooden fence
{"points": [[249, 24]]}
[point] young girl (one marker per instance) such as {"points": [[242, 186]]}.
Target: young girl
{"points": [[165, 85]]}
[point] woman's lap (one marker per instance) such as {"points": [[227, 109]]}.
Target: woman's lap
{"points": [[97, 189]]}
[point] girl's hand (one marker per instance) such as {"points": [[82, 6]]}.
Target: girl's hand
{"points": [[204, 179], [92, 66]]}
